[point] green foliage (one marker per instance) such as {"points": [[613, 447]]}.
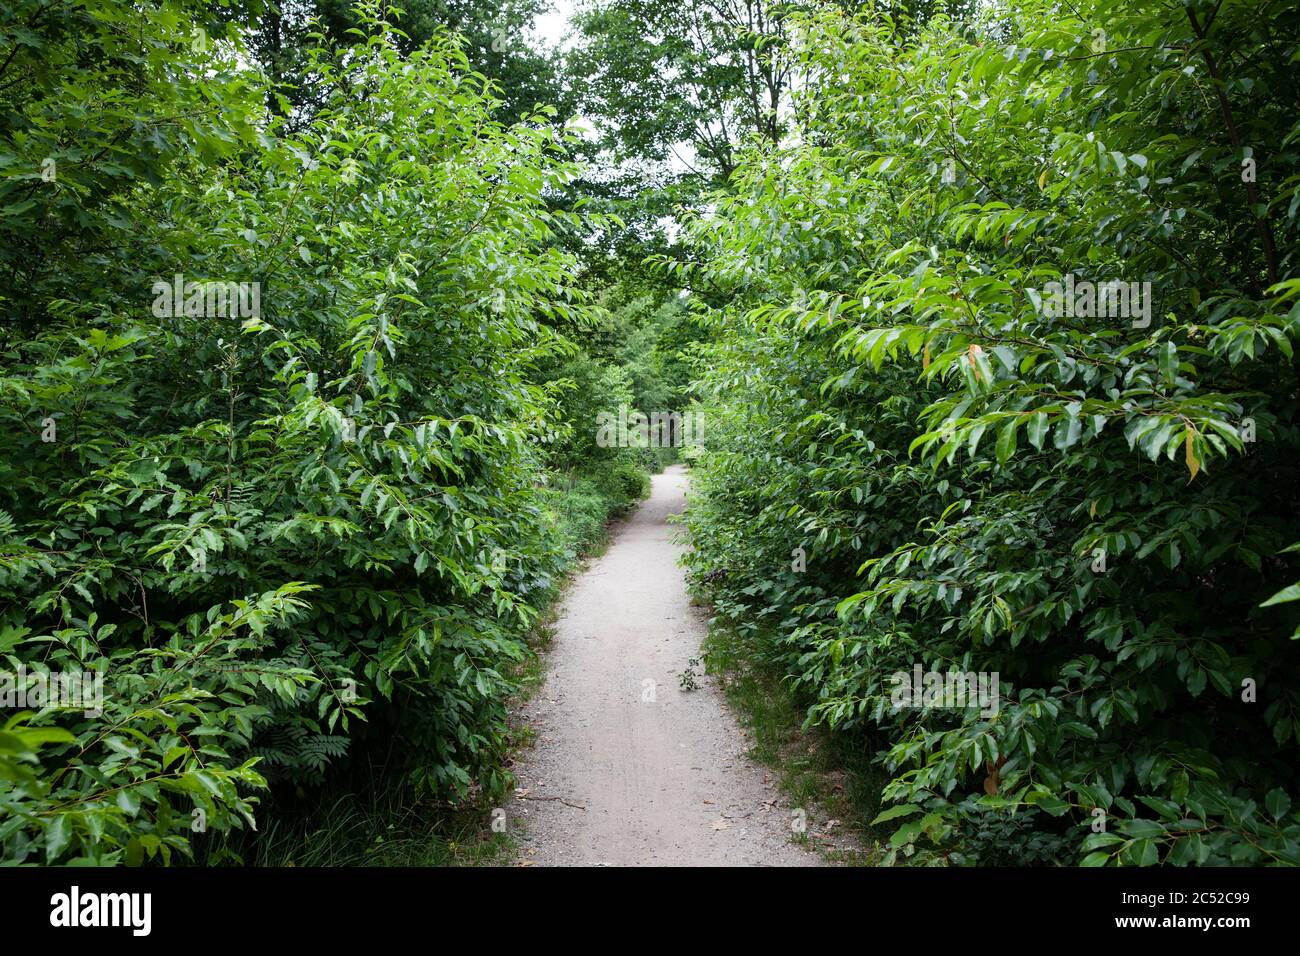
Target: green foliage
{"points": [[281, 35], [689, 680], [627, 354], [302, 542], [287, 538], [1095, 508], [100, 100], [672, 91], [584, 502], [662, 73]]}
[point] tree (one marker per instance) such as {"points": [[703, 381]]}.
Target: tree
{"points": [[265, 463], [700, 75], [1086, 493], [496, 44]]}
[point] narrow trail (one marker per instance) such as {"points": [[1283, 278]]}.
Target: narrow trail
{"points": [[625, 772]]}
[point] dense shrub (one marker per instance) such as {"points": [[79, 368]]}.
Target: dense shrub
{"points": [[911, 460], [282, 536]]}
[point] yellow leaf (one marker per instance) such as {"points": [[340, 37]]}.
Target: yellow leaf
{"points": [[925, 358], [1042, 181], [1092, 510], [1189, 453]]}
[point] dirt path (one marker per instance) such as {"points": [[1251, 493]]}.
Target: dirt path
{"points": [[660, 772]]}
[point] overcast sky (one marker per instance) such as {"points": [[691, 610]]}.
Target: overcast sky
{"points": [[551, 26]]}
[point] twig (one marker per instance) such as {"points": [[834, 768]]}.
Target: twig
{"points": [[560, 799]]}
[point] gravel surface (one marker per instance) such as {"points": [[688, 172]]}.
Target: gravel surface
{"points": [[627, 768]]}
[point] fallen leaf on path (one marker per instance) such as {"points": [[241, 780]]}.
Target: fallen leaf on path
{"points": [[721, 824]]}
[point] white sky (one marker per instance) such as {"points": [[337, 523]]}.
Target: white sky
{"points": [[552, 25]]}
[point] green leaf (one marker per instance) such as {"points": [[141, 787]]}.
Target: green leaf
{"points": [[893, 813], [58, 832], [1289, 593], [1036, 430], [1006, 444], [1277, 803], [129, 802]]}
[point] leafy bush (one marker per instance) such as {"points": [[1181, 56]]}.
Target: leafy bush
{"points": [[583, 504], [624, 481], [285, 540], [1093, 508]]}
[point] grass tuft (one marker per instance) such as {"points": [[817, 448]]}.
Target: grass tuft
{"points": [[830, 776]]}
